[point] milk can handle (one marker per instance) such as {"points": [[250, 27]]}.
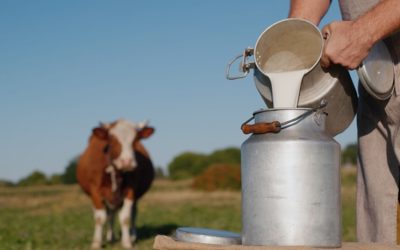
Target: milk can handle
{"points": [[276, 126], [244, 65], [261, 128]]}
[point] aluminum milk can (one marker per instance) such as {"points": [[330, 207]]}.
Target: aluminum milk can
{"points": [[290, 180]]}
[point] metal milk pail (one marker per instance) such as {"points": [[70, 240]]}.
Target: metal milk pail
{"points": [[290, 180], [293, 44]]}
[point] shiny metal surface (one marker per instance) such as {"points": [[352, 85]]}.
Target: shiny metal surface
{"points": [[291, 184], [334, 86], [288, 45], [377, 73], [208, 236]]}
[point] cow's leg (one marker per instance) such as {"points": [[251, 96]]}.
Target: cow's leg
{"points": [[124, 220], [100, 217], [110, 236], [132, 230]]}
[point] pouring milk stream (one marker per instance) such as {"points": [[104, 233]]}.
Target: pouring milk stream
{"points": [[285, 56], [286, 87]]}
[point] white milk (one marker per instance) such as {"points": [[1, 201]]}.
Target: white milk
{"points": [[286, 88]]}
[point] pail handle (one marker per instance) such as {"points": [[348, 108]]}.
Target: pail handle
{"points": [[243, 67], [260, 128], [276, 126]]}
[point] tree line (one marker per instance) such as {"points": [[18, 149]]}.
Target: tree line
{"points": [[190, 164], [183, 166]]}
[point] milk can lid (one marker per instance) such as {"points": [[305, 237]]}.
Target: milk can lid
{"points": [[208, 236], [377, 73]]}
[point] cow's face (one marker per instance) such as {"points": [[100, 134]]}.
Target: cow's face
{"points": [[121, 137]]}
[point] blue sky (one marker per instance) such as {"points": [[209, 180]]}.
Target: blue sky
{"points": [[66, 65]]}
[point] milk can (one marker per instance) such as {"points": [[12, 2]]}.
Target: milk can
{"points": [[290, 162], [290, 180]]}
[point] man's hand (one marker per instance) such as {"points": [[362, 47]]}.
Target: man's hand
{"points": [[345, 44], [348, 43]]}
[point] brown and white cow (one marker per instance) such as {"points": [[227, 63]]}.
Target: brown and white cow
{"points": [[115, 170]]}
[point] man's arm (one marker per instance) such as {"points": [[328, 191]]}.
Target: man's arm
{"points": [[381, 21], [311, 10], [348, 43]]}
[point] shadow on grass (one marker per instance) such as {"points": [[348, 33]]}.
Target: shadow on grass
{"points": [[146, 231]]}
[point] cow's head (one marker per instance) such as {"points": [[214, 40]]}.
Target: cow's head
{"points": [[121, 137]]}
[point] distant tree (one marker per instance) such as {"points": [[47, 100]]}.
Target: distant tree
{"points": [[55, 179], [349, 154], [229, 155], [189, 164], [69, 175], [159, 172], [218, 177], [35, 178], [186, 165], [6, 183]]}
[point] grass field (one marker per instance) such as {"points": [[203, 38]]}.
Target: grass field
{"points": [[60, 217]]}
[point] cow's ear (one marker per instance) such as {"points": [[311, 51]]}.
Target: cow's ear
{"points": [[101, 133], [145, 132]]}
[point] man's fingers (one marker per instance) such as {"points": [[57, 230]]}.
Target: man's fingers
{"points": [[325, 62], [326, 31]]}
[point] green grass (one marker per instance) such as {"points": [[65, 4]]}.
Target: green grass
{"points": [[60, 217], [348, 180]]}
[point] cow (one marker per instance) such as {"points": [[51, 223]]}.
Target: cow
{"points": [[115, 170]]}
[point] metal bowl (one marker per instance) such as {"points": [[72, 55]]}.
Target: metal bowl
{"points": [[208, 236]]}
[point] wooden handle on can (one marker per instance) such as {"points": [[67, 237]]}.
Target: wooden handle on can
{"points": [[262, 128]]}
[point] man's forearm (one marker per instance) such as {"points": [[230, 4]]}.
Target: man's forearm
{"points": [[381, 21], [312, 10]]}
